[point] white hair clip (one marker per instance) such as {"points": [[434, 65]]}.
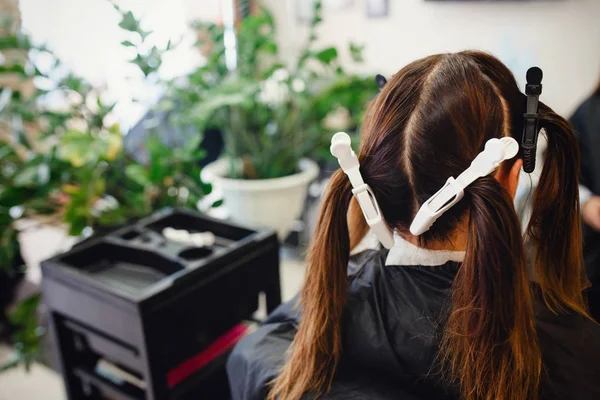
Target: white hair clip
{"points": [[495, 151], [342, 150]]}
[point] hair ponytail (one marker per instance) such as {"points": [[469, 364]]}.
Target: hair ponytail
{"points": [[316, 349], [489, 347], [555, 225], [357, 224]]}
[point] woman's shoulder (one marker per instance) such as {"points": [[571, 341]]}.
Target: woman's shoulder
{"points": [[570, 345], [365, 260], [368, 272], [258, 357], [579, 331]]}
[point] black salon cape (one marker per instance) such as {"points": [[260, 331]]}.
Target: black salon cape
{"points": [[391, 330]]}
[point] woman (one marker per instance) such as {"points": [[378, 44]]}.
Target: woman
{"points": [[448, 314], [586, 123]]}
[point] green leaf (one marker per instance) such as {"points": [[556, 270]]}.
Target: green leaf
{"points": [[14, 196], [143, 34], [27, 334], [206, 188], [217, 203], [112, 217], [138, 174], [127, 43], [77, 85], [149, 63], [8, 42], [42, 206], [25, 310], [32, 176], [234, 94], [328, 55], [77, 226], [193, 143], [129, 22], [5, 219], [356, 52], [79, 148], [270, 48], [15, 68], [269, 71], [77, 213]]}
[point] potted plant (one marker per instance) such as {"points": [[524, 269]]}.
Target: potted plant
{"points": [[275, 120], [66, 167]]}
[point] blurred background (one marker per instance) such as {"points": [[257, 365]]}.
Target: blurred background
{"points": [[560, 35], [113, 111]]}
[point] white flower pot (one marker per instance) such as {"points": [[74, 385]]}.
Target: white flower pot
{"points": [[274, 203]]}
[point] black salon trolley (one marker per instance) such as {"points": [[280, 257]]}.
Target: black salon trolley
{"points": [[145, 306]]}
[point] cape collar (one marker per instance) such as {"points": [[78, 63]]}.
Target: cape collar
{"points": [[406, 253]]}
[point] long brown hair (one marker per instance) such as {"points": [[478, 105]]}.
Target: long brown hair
{"points": [[555, 225], [428, 123]]}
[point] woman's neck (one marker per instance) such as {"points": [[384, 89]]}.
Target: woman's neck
{"points": [[457, 240]]}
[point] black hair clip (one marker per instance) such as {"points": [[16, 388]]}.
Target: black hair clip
{"points": [[381, 81], [533, 89]]}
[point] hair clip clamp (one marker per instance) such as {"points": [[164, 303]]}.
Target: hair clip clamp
{"points": [[341, 148]]}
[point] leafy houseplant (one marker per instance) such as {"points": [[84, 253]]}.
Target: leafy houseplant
{"points": [[67, 166], [272, 116]]}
